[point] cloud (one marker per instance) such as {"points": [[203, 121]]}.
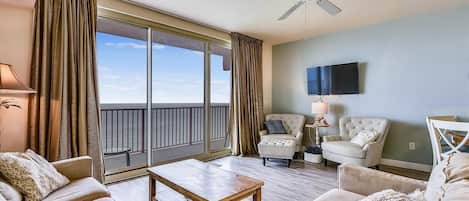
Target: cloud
{"points": [[159, 46], [130, 87], [197, 52], [129, 44]]}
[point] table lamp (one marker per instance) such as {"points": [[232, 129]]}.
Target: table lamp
{"points": [[9, 84], [320, 109]]}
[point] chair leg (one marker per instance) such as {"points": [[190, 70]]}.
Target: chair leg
{"points": [[289, 162], [263, 161], [325, 162]]}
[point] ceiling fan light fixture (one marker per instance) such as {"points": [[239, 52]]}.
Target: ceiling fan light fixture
{"points": [[329, 7]]}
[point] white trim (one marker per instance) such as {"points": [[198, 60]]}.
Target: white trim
{"points": [[407, 165]]}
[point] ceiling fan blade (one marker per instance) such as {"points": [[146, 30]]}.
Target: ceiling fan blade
{"points": [[291, 10], [329, 7]]}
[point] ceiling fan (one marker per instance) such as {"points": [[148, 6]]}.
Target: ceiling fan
{"points": [[326, 5]]}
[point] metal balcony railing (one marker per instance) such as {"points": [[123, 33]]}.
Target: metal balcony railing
{"points": [[123, 125]]}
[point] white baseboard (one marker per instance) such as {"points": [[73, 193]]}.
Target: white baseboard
{"points": [[407, 165]]}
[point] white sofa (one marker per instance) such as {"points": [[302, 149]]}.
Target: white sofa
{"points": [[448, 181], [293, 124], [338, 148], [356, 182]]}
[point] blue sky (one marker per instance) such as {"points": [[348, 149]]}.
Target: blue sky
{"points": [[178, 73]]}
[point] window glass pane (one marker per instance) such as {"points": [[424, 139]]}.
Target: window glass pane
{"points": [[177, 96], [220, 89], [121, 58]]}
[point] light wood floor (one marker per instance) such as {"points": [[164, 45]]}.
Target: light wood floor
{"points": [[302, 181]]}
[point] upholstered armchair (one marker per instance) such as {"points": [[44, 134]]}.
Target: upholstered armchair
{"points": [[293, 124], [338, 148]]}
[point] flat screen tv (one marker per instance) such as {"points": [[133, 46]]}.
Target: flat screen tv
{"points": [[333, 80]]}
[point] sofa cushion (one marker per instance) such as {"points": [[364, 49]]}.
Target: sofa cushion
{"points": [[277, 148], [31, 174], [450, 178], [86, 189], [344, 148], [280, 136], [456, 191], [339, 195], [275, 127], [8, 192]]}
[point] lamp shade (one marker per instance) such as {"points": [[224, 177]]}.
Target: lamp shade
{"points": [[319, 108], [9, 83]]}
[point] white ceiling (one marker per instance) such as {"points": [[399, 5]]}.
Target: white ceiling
{"points": [[258, 18]]}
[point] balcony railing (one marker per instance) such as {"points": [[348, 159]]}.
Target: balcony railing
{"points": [[173, 125]]}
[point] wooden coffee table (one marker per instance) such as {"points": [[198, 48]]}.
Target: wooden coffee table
{"points": [[201, 181]]}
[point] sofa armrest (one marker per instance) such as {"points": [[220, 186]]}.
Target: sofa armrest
{"points": [[330, 138], [263, 132], [75, 168], [366, 181]]}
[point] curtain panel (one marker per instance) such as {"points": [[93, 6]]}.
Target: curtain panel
{"points": [[246, 111], [64, 114]]}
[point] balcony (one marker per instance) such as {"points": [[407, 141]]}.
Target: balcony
{"points": [[177, 131]]}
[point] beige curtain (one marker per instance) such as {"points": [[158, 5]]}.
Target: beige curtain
{"points": [[246, 113], [64, 117]]}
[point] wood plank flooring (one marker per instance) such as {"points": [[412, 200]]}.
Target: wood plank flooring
{"points": [[302, 181]]}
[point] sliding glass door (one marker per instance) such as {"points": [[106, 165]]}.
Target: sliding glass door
{"points": [[177, 97], [220, 89], [164, 96], [122, 72]]}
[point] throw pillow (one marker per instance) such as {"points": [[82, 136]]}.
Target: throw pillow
{"points": [[275, 127], [392, 195], [364, 137], [8, 192], [458, 190], [450, 178], [31, 174], [417, 195], [457, 168]]}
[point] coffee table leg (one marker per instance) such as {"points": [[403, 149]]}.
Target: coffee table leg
{"points": [[152, 189], [257, 196]]}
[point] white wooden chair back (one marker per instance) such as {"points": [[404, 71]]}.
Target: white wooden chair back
{"points": [[441, 129], [436, 139]]}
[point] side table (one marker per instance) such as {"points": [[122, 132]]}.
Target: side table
{"points": [[316, 127]]}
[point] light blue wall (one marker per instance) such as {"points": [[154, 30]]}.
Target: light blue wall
{"points": [[412, 67]]}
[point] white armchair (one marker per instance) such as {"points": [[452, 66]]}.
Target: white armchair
{"points": [[293, 124], [339, 148]]}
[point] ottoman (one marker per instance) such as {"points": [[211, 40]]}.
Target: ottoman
{"points": [[277, 149]]}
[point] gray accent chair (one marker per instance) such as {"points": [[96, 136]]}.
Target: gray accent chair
{"points": [[293, 124], [338, 148]]}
